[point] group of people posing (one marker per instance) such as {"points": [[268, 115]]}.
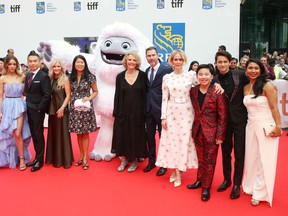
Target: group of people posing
{"points": [[54, 94], [198, 111]]}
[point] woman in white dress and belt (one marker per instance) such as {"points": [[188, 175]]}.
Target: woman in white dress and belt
{"points": [[260, 99], [176, 149]]}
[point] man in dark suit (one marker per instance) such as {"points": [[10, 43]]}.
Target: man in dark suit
{"points": [[232, 82], [38, 90], [155, 73]]}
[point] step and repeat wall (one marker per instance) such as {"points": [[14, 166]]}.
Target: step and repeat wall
{"points": [[282, 87], [196, 26]]}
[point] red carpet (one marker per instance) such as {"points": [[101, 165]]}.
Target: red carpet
{"points": [[102, 190]]}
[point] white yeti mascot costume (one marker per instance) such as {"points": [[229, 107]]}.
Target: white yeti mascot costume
{"points": [[106, 62]]}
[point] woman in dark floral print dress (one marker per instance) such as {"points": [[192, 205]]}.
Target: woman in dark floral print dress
{"points": [[82, 122]]}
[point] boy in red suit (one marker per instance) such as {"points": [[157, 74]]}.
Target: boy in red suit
{"points": [[208, 131]]}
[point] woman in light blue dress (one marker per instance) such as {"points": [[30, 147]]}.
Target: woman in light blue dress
{"points": [[14, 129]]}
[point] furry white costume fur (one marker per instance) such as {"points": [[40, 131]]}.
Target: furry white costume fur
{"points": [[114, 41]]}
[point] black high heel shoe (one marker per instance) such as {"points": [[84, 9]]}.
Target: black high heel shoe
{"points": [[78, 163], [22, 167], [85, 166]]}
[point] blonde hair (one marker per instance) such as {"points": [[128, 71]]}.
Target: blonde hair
{"points": [[174, 53], [135, 55], [62, 75]]}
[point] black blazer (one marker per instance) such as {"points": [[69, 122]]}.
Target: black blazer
{"points": [[39, 93], [237, 110], [154, 91]]}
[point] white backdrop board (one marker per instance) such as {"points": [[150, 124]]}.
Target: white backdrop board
{"points": [[282, 86], [196, 26]]}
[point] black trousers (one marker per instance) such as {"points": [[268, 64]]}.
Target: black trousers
{"points": [[36, 121], [235, 137], [153, 120]]}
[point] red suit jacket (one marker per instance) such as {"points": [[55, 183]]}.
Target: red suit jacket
{"points": [[213, 115]]}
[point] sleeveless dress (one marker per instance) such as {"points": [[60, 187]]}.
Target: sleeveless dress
{"points": [[176, 147], [13, 106], [59, 149], [261, 151]]}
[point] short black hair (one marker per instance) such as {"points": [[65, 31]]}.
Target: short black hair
{"points": [[207, 66], [33, 53], [223, 53], [222, 47], [233, 58]]}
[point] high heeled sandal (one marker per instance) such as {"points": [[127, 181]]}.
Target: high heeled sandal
{"points": [[177, 182], [22, 167], [172, 177], [85, 166], [255, 202], [79, 162]]}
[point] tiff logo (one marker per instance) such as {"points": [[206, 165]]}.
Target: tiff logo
{"points": [[284, 103], [92, 5], [15, 8], [177, 3]]}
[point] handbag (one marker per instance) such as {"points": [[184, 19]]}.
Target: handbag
{"points": [[82, 106], [268, 129]]}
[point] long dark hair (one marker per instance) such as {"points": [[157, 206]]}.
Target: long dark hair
{"points": [[261, 80], [73, 75], [191, 65]]}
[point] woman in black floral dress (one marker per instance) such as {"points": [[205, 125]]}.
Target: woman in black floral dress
{"points": [[82, 122]]}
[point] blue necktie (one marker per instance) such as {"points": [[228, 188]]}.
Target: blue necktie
{"points": [[151, 75]]}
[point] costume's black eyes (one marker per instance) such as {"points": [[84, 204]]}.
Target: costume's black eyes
{"points": [[107, 43], [126, 45]]}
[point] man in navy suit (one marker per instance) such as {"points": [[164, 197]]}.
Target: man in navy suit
{"points": [[38, 90], [155, 73]]}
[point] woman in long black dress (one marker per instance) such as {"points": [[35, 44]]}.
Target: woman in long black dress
{"points": [[59, 149], [129, 139]]}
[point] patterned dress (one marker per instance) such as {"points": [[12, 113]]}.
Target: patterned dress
{"points": [[176, 148], [81, 122]]}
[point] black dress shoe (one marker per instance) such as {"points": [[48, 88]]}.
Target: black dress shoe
{"points": [[32, 163], [235, 193], [195, 185], [205, 194], [149, 167], [161, 171], [37, 166], [224, 186]]}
